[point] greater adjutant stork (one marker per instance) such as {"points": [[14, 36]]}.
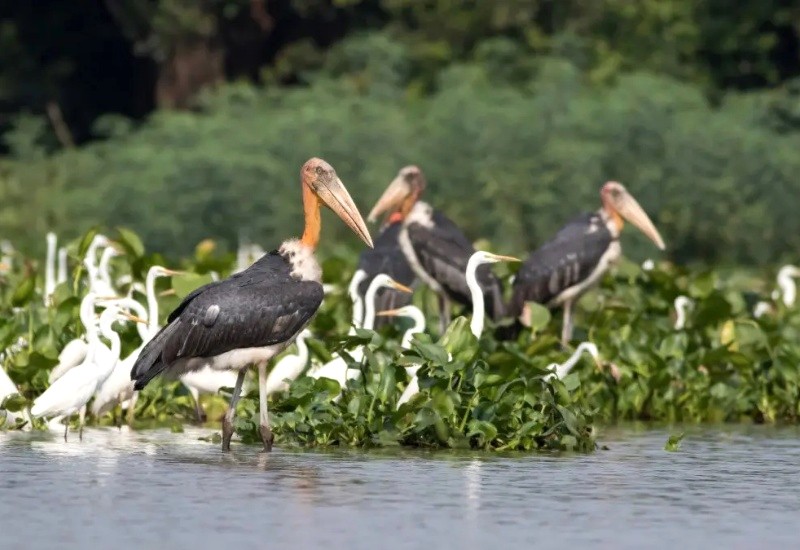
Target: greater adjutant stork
{"points": [[563, 268], [436, 248], [253, 315], [386, 258]]}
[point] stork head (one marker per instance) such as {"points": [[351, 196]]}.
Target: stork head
{"points": [[320, 180], [621, 205], [405, 189]]}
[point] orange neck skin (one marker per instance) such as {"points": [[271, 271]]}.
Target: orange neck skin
{"points": [[313, 218], [613, 215], [408, 204], [395, 217]]}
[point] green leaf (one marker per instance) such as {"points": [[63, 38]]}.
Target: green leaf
{"points": [[674, 442], [538, 316], [131, 242], [24, 292]]}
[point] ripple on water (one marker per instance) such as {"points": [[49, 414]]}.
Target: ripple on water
{"points": [[734, 486]]}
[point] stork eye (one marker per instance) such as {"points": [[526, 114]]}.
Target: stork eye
{"points": [[319, 170]]}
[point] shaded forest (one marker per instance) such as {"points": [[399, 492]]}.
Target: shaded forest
{"points": [[112, 111]]}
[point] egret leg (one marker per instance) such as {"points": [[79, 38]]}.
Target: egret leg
{"points": [[266, 432], [198, 408], [444, 312], [566, 330], [227, 420], [81, 420], [132, 408], [66, 428]]}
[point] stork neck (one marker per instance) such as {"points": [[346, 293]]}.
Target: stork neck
{"points": [[313, 218], [476, 293], [612, 217]]}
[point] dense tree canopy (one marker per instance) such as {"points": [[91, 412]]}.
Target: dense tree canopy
{"points": [[526, 107]]}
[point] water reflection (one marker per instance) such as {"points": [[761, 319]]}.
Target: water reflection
{"points": [[727, 486]]}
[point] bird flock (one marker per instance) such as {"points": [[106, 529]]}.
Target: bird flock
{"points": [[223, 328]]}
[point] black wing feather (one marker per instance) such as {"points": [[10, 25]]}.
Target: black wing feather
{"points": [[261, 306], [443, 252], [562, 262]]}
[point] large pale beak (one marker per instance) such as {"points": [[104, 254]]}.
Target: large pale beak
{"points": [[629, 208], [394, 195], [336, 197], [499, 258]]}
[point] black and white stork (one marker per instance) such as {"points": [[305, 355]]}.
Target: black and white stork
{"points": [[563, 268], [386, 258], [436, 248], [253, 315]]}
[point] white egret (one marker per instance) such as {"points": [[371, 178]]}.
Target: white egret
{"points": [[62, 266], [476, 260], [785, 279], [413, 313], [337, 368], [50, 268], [683, 304], [75, 351], [358, 302], [70, 393], [561, 370], [290, 366]]}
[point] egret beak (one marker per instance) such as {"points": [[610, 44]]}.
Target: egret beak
{"points": [[132, 317], [627, 207], [173, 273], [117, 247], [402, 288], [168, 292], [391, 199], [499, 258], [388, 313], [4, 266], [332, 192], [107, 298]]}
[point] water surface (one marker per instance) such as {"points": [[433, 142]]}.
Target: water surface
{"points": [[736, 487]]}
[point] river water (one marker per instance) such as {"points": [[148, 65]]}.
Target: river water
{"points": [[732, 487]]}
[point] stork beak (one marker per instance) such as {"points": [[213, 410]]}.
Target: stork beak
{"points": [[391, 199], [499, 258], [402, 288], [168, 292], [333, 193], [133, 318], [629, 208]]}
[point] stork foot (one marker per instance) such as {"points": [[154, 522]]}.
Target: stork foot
{"points": [[267, 437]]}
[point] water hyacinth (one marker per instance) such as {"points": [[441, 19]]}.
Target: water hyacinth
{"points": [[723, 364]]}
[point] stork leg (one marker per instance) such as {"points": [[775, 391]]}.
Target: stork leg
{"points": [[266, 432], [566, 329], [227, 420], [444, 312]]}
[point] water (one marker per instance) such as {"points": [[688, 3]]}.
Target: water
{"points": [[732, 487]]}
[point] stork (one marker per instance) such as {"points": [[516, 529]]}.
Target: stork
{"points": [[563, 268], [252, 316], [387, 258], [435, 247]]}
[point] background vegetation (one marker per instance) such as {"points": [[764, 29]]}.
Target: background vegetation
{"points": [[187, 119]]}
